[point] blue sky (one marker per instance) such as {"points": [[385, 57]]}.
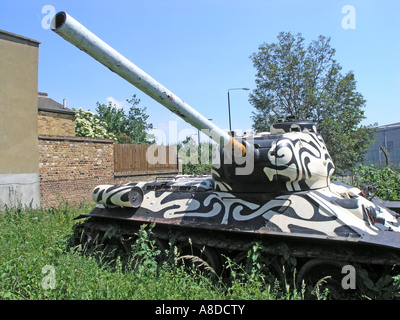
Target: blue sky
{"points": [[200, 49]]}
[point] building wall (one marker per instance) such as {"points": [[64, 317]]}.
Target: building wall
{"points": [[19, 169], [388, 136], [70, 168], [51, 123]]}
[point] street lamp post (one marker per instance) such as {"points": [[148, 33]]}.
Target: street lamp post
{"points": [[229, 106]]}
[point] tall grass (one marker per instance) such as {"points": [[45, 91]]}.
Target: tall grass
{"points": [[33, 241]]}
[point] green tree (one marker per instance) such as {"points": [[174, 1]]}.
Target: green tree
{"points": [[128, 128], [305, 81], [196, 159], [385, 180], [87, 124]]}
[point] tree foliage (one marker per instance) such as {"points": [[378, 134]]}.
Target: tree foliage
{"points": [[196, 159], [128, 128], [87, 124], [385, 180], [305, 81]]}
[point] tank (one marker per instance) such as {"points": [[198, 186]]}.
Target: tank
{"points": [[272, 188]]}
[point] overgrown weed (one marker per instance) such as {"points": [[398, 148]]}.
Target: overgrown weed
{"points": [[33, 239]]}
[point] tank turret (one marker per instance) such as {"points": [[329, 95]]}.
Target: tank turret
{"points": [[291, 157]]}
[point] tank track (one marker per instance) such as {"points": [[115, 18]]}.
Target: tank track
{"points": [[235, 245], [239, 241]]}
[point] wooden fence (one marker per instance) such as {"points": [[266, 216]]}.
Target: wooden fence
{"points": [[145, 158]]}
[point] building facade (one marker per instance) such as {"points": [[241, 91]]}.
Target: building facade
{"points": [[388, 138], [19, 165], [54, 118]]}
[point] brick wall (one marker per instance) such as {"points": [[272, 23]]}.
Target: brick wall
{"points": [[70, 168], [59, 124]]}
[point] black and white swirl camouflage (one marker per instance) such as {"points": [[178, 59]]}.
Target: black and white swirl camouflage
{"points": [[302, 160]]}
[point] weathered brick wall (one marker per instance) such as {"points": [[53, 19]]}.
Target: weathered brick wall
{"points": [[59, 124], [70, 168]]}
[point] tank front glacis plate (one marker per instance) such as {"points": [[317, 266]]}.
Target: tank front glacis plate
{"points": [[196, 203]]}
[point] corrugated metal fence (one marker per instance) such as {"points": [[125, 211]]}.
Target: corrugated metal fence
{"points": [[144, 158]]}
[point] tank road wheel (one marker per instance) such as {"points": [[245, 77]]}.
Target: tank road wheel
{"points": [[80, 236], [128, 245], [319, 275], [273, 269], [270, 267], [163, 246], [86, 237], [200, 257]]}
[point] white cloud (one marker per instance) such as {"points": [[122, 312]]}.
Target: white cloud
{"points": [[119, 104]]}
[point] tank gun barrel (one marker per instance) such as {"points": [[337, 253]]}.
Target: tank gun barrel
{"points": [[75, 33]]}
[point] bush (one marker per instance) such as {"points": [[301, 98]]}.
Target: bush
{"points": [[35, 242], [87, 124], [386, 181], [38, 241]]}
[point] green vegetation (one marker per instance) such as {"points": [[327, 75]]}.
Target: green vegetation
{"points": [[87, 124], [196, 160], [306, 81], [38, 260], [35, 241], [111, 122], [128, 128], [385, 181]]}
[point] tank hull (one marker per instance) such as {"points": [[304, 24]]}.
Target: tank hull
{"points": [[315, 223]]}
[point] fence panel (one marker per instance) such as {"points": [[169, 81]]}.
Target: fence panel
{"points": [[148, 158]]}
